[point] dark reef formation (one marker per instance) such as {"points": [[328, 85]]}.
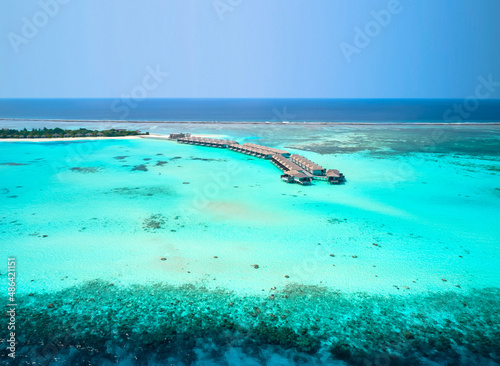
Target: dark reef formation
{"points": [[85, 170], [99, 323]]}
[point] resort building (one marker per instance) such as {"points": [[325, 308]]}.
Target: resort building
{"points": [[56, 135], [272, 150], [78, 135], [294, 176], [100, 134], [175, 136], [43, 136], [334, 176], [284, 164], [293, 173], [296, 168], [308, 165], [203, 141], [67, 135], [89, 134], [253, 151]]}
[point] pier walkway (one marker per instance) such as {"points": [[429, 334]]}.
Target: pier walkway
{"points": [[296, 168]]}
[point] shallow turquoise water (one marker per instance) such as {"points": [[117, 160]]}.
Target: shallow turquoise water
{"points": [[410, 223]]}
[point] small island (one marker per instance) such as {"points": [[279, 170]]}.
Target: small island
{"points": [[48, 133]]}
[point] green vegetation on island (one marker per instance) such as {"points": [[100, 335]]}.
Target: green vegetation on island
{"points": [[40, 133]]}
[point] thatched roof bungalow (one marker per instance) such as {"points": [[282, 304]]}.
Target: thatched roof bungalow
{"points": [[334, 176], [271, 150], [204, 141], [294, 176], [250, 150], [308, 165], [284, 164]]}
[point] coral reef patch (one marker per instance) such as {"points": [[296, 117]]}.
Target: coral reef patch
{"points": [[97, 323]]}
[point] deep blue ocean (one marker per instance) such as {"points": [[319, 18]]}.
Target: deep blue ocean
{"points": [[256, 110]]}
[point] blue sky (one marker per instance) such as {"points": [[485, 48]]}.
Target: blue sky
{"points": [[248, 48]]}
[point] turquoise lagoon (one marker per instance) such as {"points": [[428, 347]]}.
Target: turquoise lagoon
{"points": [[145, 251]]}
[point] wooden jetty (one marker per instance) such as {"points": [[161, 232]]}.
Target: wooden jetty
{"points": [[204, 141], [259, 151], [296, 168], [272, 150]]}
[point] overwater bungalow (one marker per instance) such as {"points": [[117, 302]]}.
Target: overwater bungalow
{"points": [[308, 165], [204, 141], [250, 150], [271, 150], [334, 176], [294, 176], [296, 168], [284, 164]]}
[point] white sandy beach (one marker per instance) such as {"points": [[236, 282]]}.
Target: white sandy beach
{"points": [[69, 139]]}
